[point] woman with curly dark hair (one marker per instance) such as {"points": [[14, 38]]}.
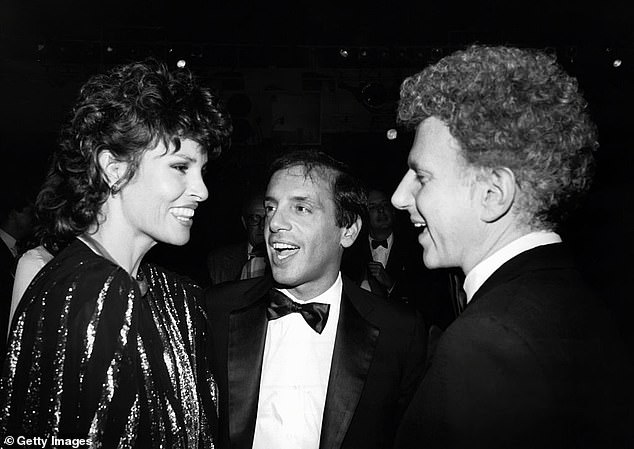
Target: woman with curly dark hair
{"points": [[103, 347]]}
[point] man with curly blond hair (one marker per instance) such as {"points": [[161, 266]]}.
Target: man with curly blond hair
{"points": [[503, 151]]}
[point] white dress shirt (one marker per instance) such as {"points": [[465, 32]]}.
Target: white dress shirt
{"points": [[294, 381], [254, 266], [379, 254], [482, 271]]}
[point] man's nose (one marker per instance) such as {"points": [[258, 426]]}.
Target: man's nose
{"points": [[277, 221], [402, 194]]}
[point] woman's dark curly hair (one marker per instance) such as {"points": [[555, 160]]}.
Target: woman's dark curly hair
{"points": [[513, 108], [126, 111]]}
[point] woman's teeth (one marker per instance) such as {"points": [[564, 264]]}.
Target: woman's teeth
{"points": [[183, 214]]}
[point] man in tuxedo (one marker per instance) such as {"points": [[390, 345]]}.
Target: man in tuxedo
{"points": [[389, 264], [376, 260], [16, 223], [340, 371], [503, 150], [245, 259]]}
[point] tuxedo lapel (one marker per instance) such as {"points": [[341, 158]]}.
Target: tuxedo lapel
{"points": [[375, 286], [354, 348], [396, 262], [247, 335], [7, 260], [234, 261]]}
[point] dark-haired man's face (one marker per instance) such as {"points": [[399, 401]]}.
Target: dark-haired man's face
{"points": [[304, 242]]}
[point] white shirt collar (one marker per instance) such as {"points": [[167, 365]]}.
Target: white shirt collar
{"points": [[482, 271], [330, 296], [10, 241]]}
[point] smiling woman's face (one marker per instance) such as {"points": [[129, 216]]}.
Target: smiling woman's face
{"points": [[158, 203]]}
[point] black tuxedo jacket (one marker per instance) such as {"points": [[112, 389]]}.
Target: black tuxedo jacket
{"points": [[429, 291], [533, 361], [7, 273], [377, 364], [356, 258], [226, 262]]}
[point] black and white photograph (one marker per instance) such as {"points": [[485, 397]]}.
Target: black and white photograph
{"points": [[311, 225]]}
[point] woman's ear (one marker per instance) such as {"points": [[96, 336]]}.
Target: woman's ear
{"points": [[113, 169]]}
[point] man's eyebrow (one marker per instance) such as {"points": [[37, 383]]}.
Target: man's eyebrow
{"points": [[187, 157], [298, 198], [302, 198]]}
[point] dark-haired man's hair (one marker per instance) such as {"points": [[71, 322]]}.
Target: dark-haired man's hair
{"points": [[348, 193]]}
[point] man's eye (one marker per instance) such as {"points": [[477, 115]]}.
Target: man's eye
{"points": [[269, 209], [302, 209]]}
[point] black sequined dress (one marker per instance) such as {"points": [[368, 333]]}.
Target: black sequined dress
{"points": [[91, 357]]}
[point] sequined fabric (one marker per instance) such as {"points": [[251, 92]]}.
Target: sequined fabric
{"points": [[91, 357]]}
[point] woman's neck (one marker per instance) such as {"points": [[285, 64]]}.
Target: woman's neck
{"points": [[121, 250]]}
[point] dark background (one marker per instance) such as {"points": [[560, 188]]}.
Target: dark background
{"points": [[280, 68]]}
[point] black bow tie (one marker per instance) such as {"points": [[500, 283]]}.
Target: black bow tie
{"points": [[315, 313], [376, 243]]}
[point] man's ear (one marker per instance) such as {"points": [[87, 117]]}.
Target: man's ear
{"points": [[113, 169], [498, 193], [349, 234]]}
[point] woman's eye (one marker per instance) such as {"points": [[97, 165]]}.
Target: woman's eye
{"points": [[180, 167]]}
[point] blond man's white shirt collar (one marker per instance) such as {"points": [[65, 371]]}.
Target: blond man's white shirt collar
{"points": [[483, 270]]}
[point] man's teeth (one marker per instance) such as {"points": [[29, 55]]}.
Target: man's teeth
{"points": [[283, 246], [282, 249], [183, 214]]}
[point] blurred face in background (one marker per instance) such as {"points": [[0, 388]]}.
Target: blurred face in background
{"points": [[380, 212], [253, 216], [24, 222]]}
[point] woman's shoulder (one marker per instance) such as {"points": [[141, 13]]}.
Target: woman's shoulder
{"points": [[79, 268], [76, 284]]}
